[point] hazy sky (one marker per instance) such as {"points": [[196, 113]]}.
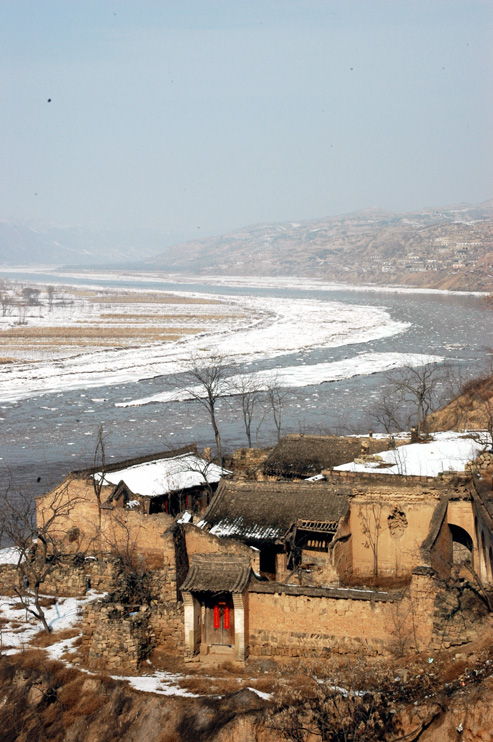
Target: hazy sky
{"points": [[216, 114]]}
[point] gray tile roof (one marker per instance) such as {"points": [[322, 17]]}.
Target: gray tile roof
{"points": [[215, 573], [265, 511]]}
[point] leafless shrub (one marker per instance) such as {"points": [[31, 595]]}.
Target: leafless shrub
{"points": [[37, 544]]}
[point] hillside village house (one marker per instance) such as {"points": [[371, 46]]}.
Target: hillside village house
{"points": [[170, 483], [354, 559]]}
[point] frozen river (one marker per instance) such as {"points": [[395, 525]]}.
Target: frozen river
{"points": [[328, 346]]}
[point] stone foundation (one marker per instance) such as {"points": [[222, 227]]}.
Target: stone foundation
{"points": [[459, 615], [118, 638], [115, 639]]}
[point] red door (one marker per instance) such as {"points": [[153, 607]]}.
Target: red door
{"points": [[220, 629]]}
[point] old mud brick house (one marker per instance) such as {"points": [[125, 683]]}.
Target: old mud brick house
{"points": [[303, 568], [303, 456], [167, 483]]}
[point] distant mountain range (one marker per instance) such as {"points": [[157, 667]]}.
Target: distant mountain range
{"points": [[449, 248], [25, 244]]}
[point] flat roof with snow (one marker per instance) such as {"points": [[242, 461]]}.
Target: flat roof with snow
{"points": [[448, 451], [162, 476]]}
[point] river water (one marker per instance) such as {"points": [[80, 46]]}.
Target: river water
{"points": [[43, 437]]}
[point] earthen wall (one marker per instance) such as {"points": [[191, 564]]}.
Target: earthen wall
{"points": [[387, 532], [78, 520], [199, 541], [441, 551]]}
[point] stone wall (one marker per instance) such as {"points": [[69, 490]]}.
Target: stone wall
{"points": [[460, 615], [167, 628], [247, 462], [118, 637], [69, 578], [113, 638], [483, 464]]}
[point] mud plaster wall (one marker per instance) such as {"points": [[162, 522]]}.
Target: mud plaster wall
{"points": [[303, 626], [127, 531], [378, 546]]}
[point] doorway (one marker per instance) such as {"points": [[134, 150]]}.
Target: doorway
{"points": [[219, 621]]}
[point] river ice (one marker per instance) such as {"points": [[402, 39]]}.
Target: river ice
{"points": [[285, 326], [297, 376]]}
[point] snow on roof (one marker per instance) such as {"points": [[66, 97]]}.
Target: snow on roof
{"points": [[161, 476], [449, 451]]}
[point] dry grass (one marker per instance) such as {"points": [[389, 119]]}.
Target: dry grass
{"points": [[158, 318], [133, 298], [32, 658], [69, 333], [147, 322], [17, 607], [42, 639]]}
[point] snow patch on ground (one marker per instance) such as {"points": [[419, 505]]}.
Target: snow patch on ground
{"points": [[162, 683], [64, 614], [265, 696]]}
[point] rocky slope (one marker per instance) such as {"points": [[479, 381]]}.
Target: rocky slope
{"points": [[42, 700]]}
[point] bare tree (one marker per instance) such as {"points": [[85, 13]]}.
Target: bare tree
{"points": [[30, 296], [37, 542], [420, 389], [6, 303], [387, 412], [276, 396], [99, 470], [249, 395], [134, 583], [50, 292], [353, 703], [22, 310], [370, 515], [207, 381]]}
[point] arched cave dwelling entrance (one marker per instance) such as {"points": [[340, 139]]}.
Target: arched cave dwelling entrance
{"points": [[462, 545]]}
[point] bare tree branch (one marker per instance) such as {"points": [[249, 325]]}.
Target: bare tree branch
{"points": [[206, 380]]}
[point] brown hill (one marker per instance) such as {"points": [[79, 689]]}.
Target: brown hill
{"points": [[471, 409], [446, 249]]}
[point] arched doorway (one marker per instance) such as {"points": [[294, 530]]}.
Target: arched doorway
{"points": [[462, 546]]}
